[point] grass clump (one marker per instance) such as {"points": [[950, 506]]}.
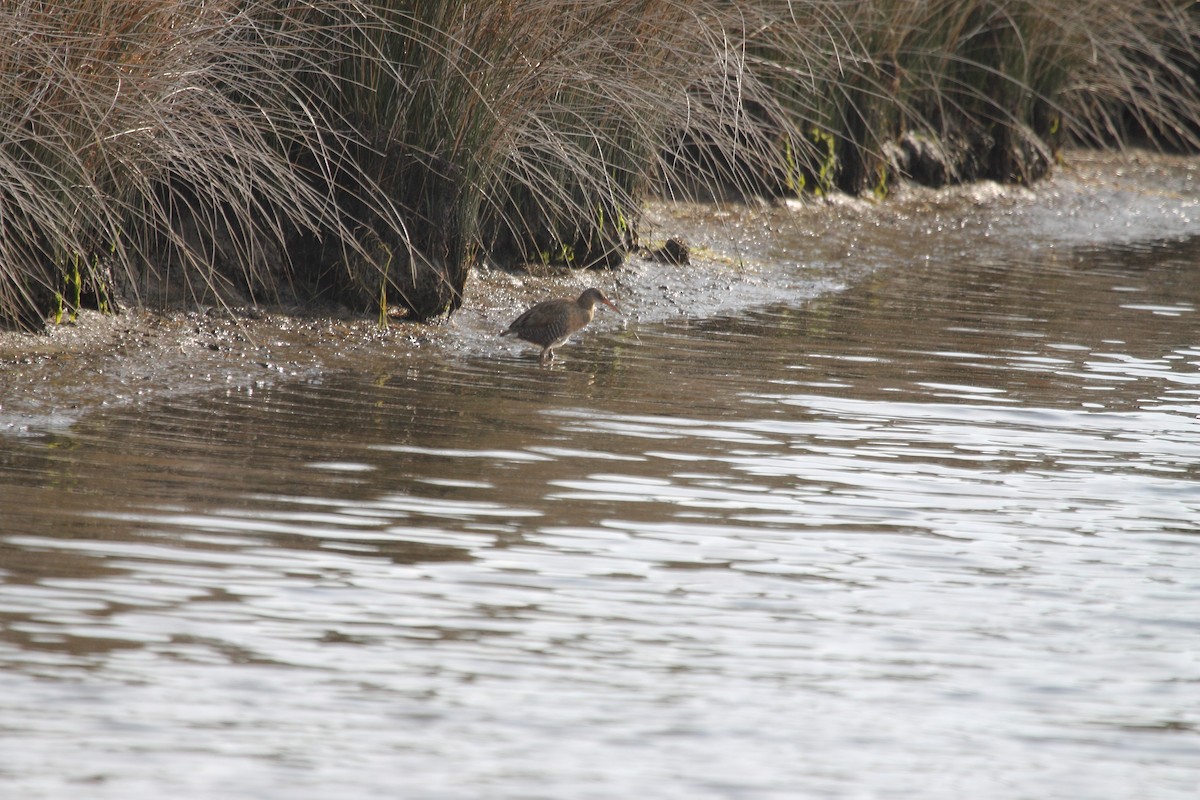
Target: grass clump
{"points": [[944, 91], [372, 152], [139, 148]]}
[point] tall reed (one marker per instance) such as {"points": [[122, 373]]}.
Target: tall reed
{"points": [[372, 151], [1136, 73], [145, 144], [946, 90]]}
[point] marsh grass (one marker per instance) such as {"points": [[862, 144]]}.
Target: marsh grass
{"points": [[1135, 74], [371, 152], [945, 91], [144, 145], [628, 98]]}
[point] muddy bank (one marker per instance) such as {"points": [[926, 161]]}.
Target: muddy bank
{"points": [[742, 257], [52, 377]]}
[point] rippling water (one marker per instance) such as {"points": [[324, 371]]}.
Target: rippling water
{"points": [[933, 534]]}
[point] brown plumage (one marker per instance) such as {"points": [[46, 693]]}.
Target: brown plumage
{"points": [[551, 322]]}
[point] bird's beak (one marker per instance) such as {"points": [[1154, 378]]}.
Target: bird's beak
{"points": [[612, 305]]}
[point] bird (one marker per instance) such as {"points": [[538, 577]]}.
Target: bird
{"points": [[551, 322]]}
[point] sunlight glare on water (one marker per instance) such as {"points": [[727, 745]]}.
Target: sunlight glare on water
{"points": [[932, 535]]}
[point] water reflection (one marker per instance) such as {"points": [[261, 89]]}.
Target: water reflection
{"points": [[930, 536]]}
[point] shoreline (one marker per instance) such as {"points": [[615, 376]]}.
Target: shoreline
{"points": [[54, 377]]}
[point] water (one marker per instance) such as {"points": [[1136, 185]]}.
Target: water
{"points": [[928, 528]]}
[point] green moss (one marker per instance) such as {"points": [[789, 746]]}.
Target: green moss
{"points": [[826, 161], [882, 187]]}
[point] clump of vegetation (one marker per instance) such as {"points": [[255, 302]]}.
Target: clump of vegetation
{"points": [[145, 145], [947, 91], [370, 152]]}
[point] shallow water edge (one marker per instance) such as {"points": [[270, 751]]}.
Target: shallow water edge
{"points": [[744, 257]]}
